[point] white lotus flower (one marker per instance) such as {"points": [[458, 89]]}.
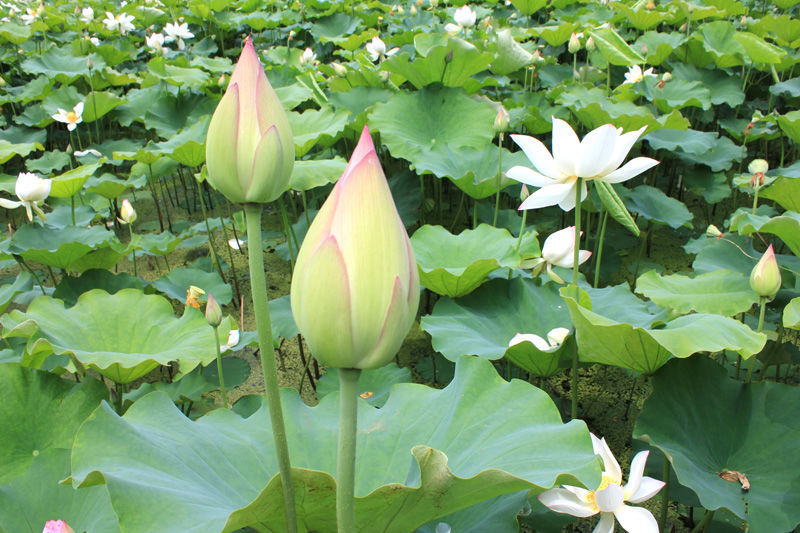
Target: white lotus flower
{"points": [[464, 16], [121, 22], [555, 338], [558, 250], [451, 28], [235, 243], [30, 189], [596, 157], [233, 340], [127, 213], [70, 118], [635, 74], [308, 57], [177, 32], [31, 15], [610, 497], [376, 49], [87, 15], [155, 42]]}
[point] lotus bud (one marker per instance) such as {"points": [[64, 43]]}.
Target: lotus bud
{"points": [[249, 148], [434, 3], [713, 231], [556, 336], [667, 76], [590, 45], [2, 81], [213, 312], [127, 213], [524, 193], [355, 287], [501, 120], [650, 5], [765, 279], [413, 10], [31, 188], [420, 3], [57, 526], [339, 69], [574, 44]]}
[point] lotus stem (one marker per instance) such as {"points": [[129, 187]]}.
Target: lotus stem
{"points": [[346, 458], [755, 199], [214, 256], [664, 496], [499, 178], [704, 523], [575, 264], [133, 251], [599, 246], [219, 369], [762, 301], [258, 287]]}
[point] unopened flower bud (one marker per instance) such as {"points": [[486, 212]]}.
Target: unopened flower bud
{"points": [[590, 46], [765, 279], [574, 44], [524, 193], [339, 69], [667, 76], [713, 231], [501, 120], [413, 10], [127, 213], [213, 312], [57, 526]]}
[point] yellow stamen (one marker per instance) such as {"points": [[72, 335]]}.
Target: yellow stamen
{"points": [[72, 117], [604, 483]]}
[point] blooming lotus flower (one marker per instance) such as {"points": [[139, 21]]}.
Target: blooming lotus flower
{"points": [[87, 15], [307, 57], [249, 148], [233, 340], [555, 338], [376, 49], [464, 16], [610, 497], [177, 32], [765, 279], [155, 42], [559, 250], [635, 74], [355, 287], [596, 157], [121, 22], [31, 14], [57, 526], [30, 189], [127, 213], [70, 118]]}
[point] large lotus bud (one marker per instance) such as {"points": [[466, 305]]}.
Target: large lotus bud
{"points": [[249, 148], [355, 287], [765, 279], [127, 213], [57, 526]]}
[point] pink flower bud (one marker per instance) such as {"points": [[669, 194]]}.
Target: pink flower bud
{"points": [[765, 279]]}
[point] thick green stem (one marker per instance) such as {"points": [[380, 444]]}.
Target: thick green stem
{"points": [[499, 178], [346, 458], [763, 303], [575, 259], [755, 199], [664, 496], [704, 523], [222, 389], [258, 287], [133, 251], [599, 256]]}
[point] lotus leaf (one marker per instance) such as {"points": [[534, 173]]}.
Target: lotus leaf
{"points": [[785, 226], [61, 248], [721, 292], [177, 282], [373, 385], [220, 472]]}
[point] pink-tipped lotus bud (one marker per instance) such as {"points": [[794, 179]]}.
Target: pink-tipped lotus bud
{"points": [[713, 231], [57, 526], [501, 120], [213, 312], [249, 148], [574, 44], [127, 213], [765, 279], [355, 287]]}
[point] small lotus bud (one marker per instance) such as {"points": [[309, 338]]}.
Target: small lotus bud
{"points": [[765, 279], [590, 46], [213, 312], [744, 20], [536, 56], [449, 57], [501, 120], [644, 49], [89, 63], [2, 81], [757, 165], [524, 193], [413, 10], [384, 75], [400, 10], [557, 336], [713, 231], [667, 76], [574, 44], [222, 81], [291, 35], [683, 27], [127, 213], [339, 69]]}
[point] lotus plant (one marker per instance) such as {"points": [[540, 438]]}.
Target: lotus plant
{"points": [[558, 250], [610, 497], [30, 189], [765, 280], [70, 118], [249, 158], [355, 293]]}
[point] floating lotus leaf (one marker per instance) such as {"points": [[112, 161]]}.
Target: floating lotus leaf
{"points": [[484, 322], [220, 472], [721, 292], [123, 336], [785, 190], [70, 288], [707, 423], [316, 172], [455, 265], [645, 342], [785, 226], [9, 149], [62, 248], [654, 205], [791, 314], [316, 127], [373, 385]]}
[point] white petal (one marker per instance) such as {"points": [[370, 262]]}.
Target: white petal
{"points": [[536, 340], [621, 149], [583, 256], [636, 473], [549, 195], [568, 203], [9, 204], [559, 246], [636, 520], [556, 336], [566, 146], [632, 168], [78, 109], [564, 501], [606, 524], [610, 464], [648, 488], [610, 499], [539, 156], [597, 149], [528, 176]]}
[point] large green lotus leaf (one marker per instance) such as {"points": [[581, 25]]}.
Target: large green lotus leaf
{"points": [[790, 124], [785, 226], [220, 472], [659, 45], [40, 411], [422, 125], [791, 314], [727, 88], [124, 335], [498, 515], [59, 248], [785, 27], [757, 49], [316, 172], [187, 147], [9, 149], [156, 243], [316, 127], [652, 204], [785, 190], [718, 40], [707, 423], [70, 288], [720, 292], [484, 322], [723, 254], [109, 186], [30, 500], [646, 348], [373, 385], [177, 282], [71, 182], [23, 282], [528, 7], [99, 103], [509, 55], [61, 64], [450, 65], [455, 265], [614, 48], [690, 141], [678, 94]]}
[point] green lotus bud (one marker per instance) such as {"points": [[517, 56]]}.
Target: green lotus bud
{"points": [[249, 148], [213, 312], [355, 286], [713, 231], [765, 279], [501, 120], [574, 44], [127, 213]]}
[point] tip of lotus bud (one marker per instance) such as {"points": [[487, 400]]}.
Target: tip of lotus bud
{"points": [[501, 120], [213, 312], [713, 231], [524, 193]]}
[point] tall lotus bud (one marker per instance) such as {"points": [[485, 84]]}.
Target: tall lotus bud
{"points": [[355, 287], [501, 120], [127, 213], [213, 312], [574, 44], [765, 279], [249, 148]]}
